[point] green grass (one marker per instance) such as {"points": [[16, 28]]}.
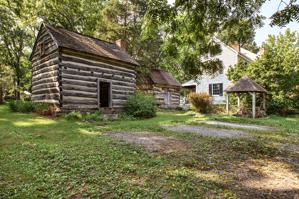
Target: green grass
{"points": [[46, 158]]}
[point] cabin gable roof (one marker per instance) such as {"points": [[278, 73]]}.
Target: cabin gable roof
{"points": [[81, 43]]}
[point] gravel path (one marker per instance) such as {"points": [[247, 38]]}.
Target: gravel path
{"points": [[215, 132], [150, 142], [243, 126]]}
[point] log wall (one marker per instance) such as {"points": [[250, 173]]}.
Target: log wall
{"points": [[45, 85], [160, 94], [79, 76]]}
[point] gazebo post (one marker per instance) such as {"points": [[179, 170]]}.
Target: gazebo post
{"points": [[253, 104], [264, 101], [227, 103], [239, 101]]}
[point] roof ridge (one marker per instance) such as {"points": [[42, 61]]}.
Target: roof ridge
{"points": [[84, 35]]}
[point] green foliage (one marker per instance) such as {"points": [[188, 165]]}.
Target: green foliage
{"points": [[277, 70], [201, 102], [22, 106], [140, 106], [190, 28], [74, 116], [93, 116], [288, 14]]}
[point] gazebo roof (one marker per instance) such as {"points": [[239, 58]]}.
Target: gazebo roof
{"points": [[245, 84]]}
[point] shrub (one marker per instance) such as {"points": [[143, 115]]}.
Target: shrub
{"points": [[45, 109], [140, 106], [22, 106], [201, 102], [74, 116], [94, 117]]}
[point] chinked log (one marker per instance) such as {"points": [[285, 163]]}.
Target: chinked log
{"points": [[45, 70], [45, 91], [45, 96], [110, 76], [45, 85], [45, 75], [79, 94], [96, 68], [79, 88], [79, 100]]}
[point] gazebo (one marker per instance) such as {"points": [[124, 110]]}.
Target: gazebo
{"points": [[246, 85]]}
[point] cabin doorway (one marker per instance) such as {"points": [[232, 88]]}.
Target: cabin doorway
{"points": [[104, 94], [167, 98]]}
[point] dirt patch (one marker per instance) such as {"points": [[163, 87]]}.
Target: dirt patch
{"points": [[242, 126], [214, 132], [268, 177], [152, 143]]}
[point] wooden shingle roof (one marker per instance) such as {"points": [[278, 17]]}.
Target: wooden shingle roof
{"points": [[86, 44], [163, 78], [245, 84]]}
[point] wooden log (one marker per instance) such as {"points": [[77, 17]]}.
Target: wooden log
{"points": [[79, 100], [45, 80], [48, 63], [53, 55], [79, 106], [45, 70], [79, 94], [95, 68], [45, 75], [46, 90], [78, 82], [78, 59], [47, 96], [45, 85], [87, 56], [79, 88], [49, 101], [71, 71]]}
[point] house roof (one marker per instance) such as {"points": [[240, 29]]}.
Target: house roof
{"points": [[76, 41], [158, 76], [164, 78], [245, 84]]}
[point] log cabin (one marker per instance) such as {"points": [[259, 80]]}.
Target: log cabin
{"points": [[80, 73], [163, 86]]}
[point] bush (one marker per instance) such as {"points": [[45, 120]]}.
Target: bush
{"points": [[140, 106], [94, 117], [21, 106], [201, 102], [74, 116]]}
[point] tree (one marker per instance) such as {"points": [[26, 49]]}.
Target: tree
{"points": [[14, 40], [277, 70], [6, 81], [189, 27], [286, 15]]}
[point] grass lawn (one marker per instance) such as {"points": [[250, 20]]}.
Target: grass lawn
{"points": [[55, 158]]}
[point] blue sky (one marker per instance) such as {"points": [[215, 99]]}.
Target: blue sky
{"points": [[269, 7]]}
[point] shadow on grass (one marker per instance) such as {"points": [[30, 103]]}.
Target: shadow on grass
{"points": [[42, 157]]}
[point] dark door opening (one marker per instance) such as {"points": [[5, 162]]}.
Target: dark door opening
{"points": [[104, 95]]}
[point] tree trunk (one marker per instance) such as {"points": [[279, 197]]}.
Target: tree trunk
{"points": [[1, 94]]}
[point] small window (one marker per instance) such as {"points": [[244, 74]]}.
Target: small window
{"points": [[41, 49], [216, 89]]}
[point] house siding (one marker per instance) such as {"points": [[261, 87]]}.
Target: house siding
{"points": [[229, 58]]}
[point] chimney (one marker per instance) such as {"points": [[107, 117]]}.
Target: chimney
{"points": [[262, 51], [122, 44], [236, 46]]}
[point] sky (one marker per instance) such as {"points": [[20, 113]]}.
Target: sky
{"points": [[267, 10]]}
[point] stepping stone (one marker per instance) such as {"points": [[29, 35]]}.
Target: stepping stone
{"points": [[242, 126], [214, 132]]}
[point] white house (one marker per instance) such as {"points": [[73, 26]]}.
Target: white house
{"points": [[217, 83]]}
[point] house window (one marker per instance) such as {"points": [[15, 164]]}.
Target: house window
{"points": [[216, 89]]}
